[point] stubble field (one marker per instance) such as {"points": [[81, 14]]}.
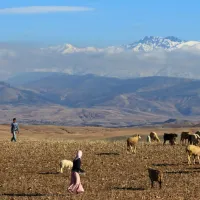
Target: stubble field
{"points": [[28, 170]]}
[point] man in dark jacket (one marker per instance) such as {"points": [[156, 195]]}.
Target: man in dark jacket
{"points": [[14, 130]]}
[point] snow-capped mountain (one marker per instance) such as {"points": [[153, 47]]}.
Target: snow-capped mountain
{"points": [[153, 43], [68, 48], [150, 56], [147, 44]]}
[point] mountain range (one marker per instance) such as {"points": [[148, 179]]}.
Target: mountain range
{"points": [[147, 44], [150, 56], [95, 100]]}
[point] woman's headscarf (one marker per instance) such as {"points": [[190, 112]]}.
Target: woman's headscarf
{"points": [[79, 154]]}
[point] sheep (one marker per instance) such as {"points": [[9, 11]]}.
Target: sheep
{"points": [[65, 163], [185, 137], [132, 142], [155, 175], [148, 139], [193, 139], [154, 137], [194, 151]]}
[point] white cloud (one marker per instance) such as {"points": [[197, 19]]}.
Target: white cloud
{"points": [[179, 63], [46, 70], [43, 9]]}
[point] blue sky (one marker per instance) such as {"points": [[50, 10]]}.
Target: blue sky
{"points": [[112, 22]]}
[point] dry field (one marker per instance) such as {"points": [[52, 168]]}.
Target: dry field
{"points": [[28, 168]]}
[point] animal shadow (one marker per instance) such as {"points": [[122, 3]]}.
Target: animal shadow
{"points": [[164, 165], [29, 195], [192, 168], [46, 173], [182, 172], [129, 188], [107, 154]]}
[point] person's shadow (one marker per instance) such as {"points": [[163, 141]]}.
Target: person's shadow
{"points": [[129, 188], [31, 195], [46, 173]]}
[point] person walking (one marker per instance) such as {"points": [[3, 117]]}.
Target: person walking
{"points": [[75, 184], [14, 130]]}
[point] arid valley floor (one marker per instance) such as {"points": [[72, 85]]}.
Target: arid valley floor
{"points": [[28, 168]]}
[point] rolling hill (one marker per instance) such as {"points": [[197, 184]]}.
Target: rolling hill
{"points": [[95, 100], [15, 96]]}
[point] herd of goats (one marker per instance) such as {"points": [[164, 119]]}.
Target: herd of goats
{"points": [[187, 138]]}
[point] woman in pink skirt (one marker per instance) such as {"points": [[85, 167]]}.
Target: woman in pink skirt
{"points": [[75, 185]]}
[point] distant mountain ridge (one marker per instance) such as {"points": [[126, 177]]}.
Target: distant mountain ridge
{"points": [[152, 43], [16, 96], [147, 44], [96, 100]]}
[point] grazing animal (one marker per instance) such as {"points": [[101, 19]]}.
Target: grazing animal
{"points": [[132, 142], [198, 133], [154, 137], [193, 139], [155, 175], [184, 137], [148, 139], [65, 163], [171, 137], [194, 151]]}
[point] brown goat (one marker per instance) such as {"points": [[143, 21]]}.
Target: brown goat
{"points": [[155, 175]]}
